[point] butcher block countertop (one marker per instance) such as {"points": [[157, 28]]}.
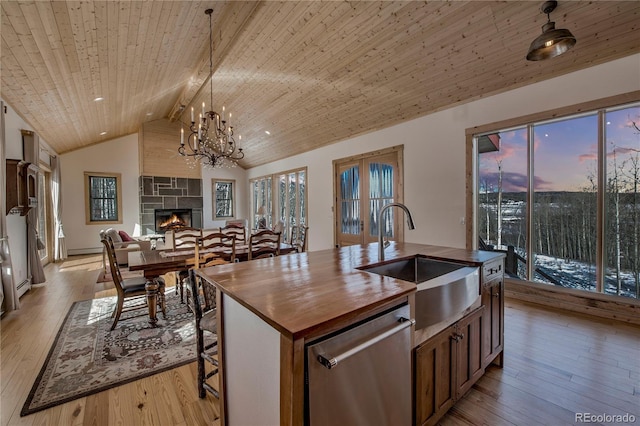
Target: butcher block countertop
{"points": [[308, 294]]}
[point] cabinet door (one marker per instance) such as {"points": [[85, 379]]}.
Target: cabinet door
{"points": [[434, 378], [493, 322], [469, 365]]}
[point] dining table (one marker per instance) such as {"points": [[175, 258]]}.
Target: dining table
{"points": [[154, 263]]}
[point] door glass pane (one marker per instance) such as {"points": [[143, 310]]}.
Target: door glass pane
{"points": [[282, 199], [502, 197], [350, 201], [565, 196], [622, 205], [302, 197], [42, 214], [380, 194], [262, 198], [291, 195]]}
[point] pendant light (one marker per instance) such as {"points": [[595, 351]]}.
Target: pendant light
{"points": [[551, 42]]}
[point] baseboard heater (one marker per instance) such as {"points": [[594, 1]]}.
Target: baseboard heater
{"points": [[23, 283], [23, 287]]}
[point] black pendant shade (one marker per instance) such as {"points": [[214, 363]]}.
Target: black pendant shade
{"points": [[552, 42]]}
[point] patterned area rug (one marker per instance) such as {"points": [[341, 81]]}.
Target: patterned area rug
{"points": [[87, 358]]}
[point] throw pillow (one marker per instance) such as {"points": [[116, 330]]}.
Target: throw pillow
{"points": [[125, 237], [115, 236]]}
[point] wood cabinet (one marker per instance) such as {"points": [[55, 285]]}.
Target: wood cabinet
{"points": [[492, 298], [446, 366], [21, 190]]}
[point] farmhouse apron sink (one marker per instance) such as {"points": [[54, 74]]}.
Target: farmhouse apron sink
{"points": [[444, 289]]}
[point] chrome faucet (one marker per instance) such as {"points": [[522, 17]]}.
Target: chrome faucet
{"points": [[381, 245]]}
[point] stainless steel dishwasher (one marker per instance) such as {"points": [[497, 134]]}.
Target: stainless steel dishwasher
{"points": [[362, 375]]}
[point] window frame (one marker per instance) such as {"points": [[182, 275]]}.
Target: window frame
{"points": [[273, 199], [214, 198], [87, 197], [472, 196]]}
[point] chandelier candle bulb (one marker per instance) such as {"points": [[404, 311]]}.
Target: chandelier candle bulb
{"points": [[192, 120], [203, 109], [182, 136]]}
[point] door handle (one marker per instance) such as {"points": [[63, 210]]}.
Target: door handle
{"points": [[331, 362]]}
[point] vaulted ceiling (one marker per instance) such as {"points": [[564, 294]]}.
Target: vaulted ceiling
{"points": [[311, 73]]}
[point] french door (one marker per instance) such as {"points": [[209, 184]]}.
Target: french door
{"points": [[363, 185], [45, 219]]}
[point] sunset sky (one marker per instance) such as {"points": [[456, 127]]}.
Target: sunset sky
{"points": [[565, 152]]}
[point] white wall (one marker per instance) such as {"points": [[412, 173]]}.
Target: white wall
{"points": [[242, 194], [434, 151], [115, 156]]}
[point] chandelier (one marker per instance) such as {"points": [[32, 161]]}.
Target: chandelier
{"points": [[211, 140]]}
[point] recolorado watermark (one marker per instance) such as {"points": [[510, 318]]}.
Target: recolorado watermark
{"points": [[604, 418]]}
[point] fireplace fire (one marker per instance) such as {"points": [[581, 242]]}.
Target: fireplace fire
{"points": [[173, 222], [168, 219]]}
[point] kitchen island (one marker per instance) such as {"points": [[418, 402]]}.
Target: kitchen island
{"points": [[269, 309]]}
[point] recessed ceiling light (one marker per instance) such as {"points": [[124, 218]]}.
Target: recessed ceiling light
{"points": [[149, 113], [267, 132], [103, 133], [98, 99]]}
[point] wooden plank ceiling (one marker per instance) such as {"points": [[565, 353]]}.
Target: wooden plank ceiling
{"points": [[311, 73]]}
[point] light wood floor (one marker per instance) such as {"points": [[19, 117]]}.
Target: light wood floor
{"points": [[556, 364]]}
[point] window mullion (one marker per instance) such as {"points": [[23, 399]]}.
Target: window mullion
{"points": [[600, 215], [530, 206]]}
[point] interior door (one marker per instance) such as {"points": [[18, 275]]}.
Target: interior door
{"points": [[363, 186], [350, 226]]}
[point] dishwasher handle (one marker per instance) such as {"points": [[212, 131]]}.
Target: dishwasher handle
{"points": [[329, 363]]}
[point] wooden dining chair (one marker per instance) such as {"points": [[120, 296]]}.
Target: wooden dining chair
{"points": [[184, 238], [264, 243], [129, 288], [299, 238], [206, 332], [223, 244], [238, 231]]}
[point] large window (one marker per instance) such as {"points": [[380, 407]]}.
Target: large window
{"points": [[103, 197], [281, 197], [562, 199]]}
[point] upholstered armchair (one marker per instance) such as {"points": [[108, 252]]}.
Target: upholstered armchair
{"points": [[123, 245]]}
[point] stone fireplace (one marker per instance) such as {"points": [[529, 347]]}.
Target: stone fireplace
{"points": [[165, 195]]}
